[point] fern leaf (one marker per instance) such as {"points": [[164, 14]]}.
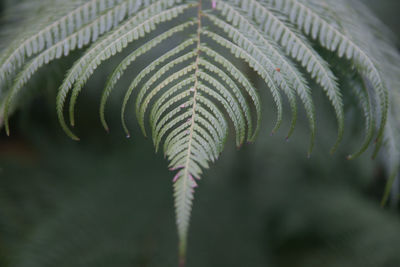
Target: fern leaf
{"points": [[55, 50], [299, 49], [244, 106], [141, 102], [257, 52], [297, 81], [334, 39], [215, 116], [144, 22], [230, 104], [165, 101], [64, 34], [365, 103], [392, 159], [56, 41], [141, 107], [240, 78], [118, 72], [114, 42], [241, 53]]}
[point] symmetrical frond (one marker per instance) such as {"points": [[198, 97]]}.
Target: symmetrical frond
{"points": [[193, 93]]}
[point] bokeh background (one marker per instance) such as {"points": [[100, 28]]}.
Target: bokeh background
{"points": [[107, 200]]}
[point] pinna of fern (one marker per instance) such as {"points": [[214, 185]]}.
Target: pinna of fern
{"points": [[193, 93]]}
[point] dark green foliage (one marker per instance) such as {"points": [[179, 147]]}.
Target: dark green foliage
{"points": [[297, 212]]}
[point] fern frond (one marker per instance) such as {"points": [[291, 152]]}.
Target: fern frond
{"points": [[232, 107], [337, 40], [143, 22], [118, 72], [241, 53], [167, 99], [74, 29], [363, 96], [60, 48], [244, 41], [213, 114], [142, 102], [79, 27], [292, 74], [244, 106], [240, 78], [193, 94], [277, 28], [368, 44], [372, 35]]}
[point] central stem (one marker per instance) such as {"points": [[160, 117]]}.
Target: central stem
{"points": [[186, 175]]}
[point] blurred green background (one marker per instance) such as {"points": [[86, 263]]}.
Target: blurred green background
{"points": [[107, 200]]}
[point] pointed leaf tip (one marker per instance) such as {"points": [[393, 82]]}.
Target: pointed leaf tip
{"points": [[176, 168], [181, 262], [182, 253], [176, 177], [194, 184]]}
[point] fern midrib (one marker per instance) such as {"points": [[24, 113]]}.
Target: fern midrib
{"points": [[196, 82], [192, 120]]}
